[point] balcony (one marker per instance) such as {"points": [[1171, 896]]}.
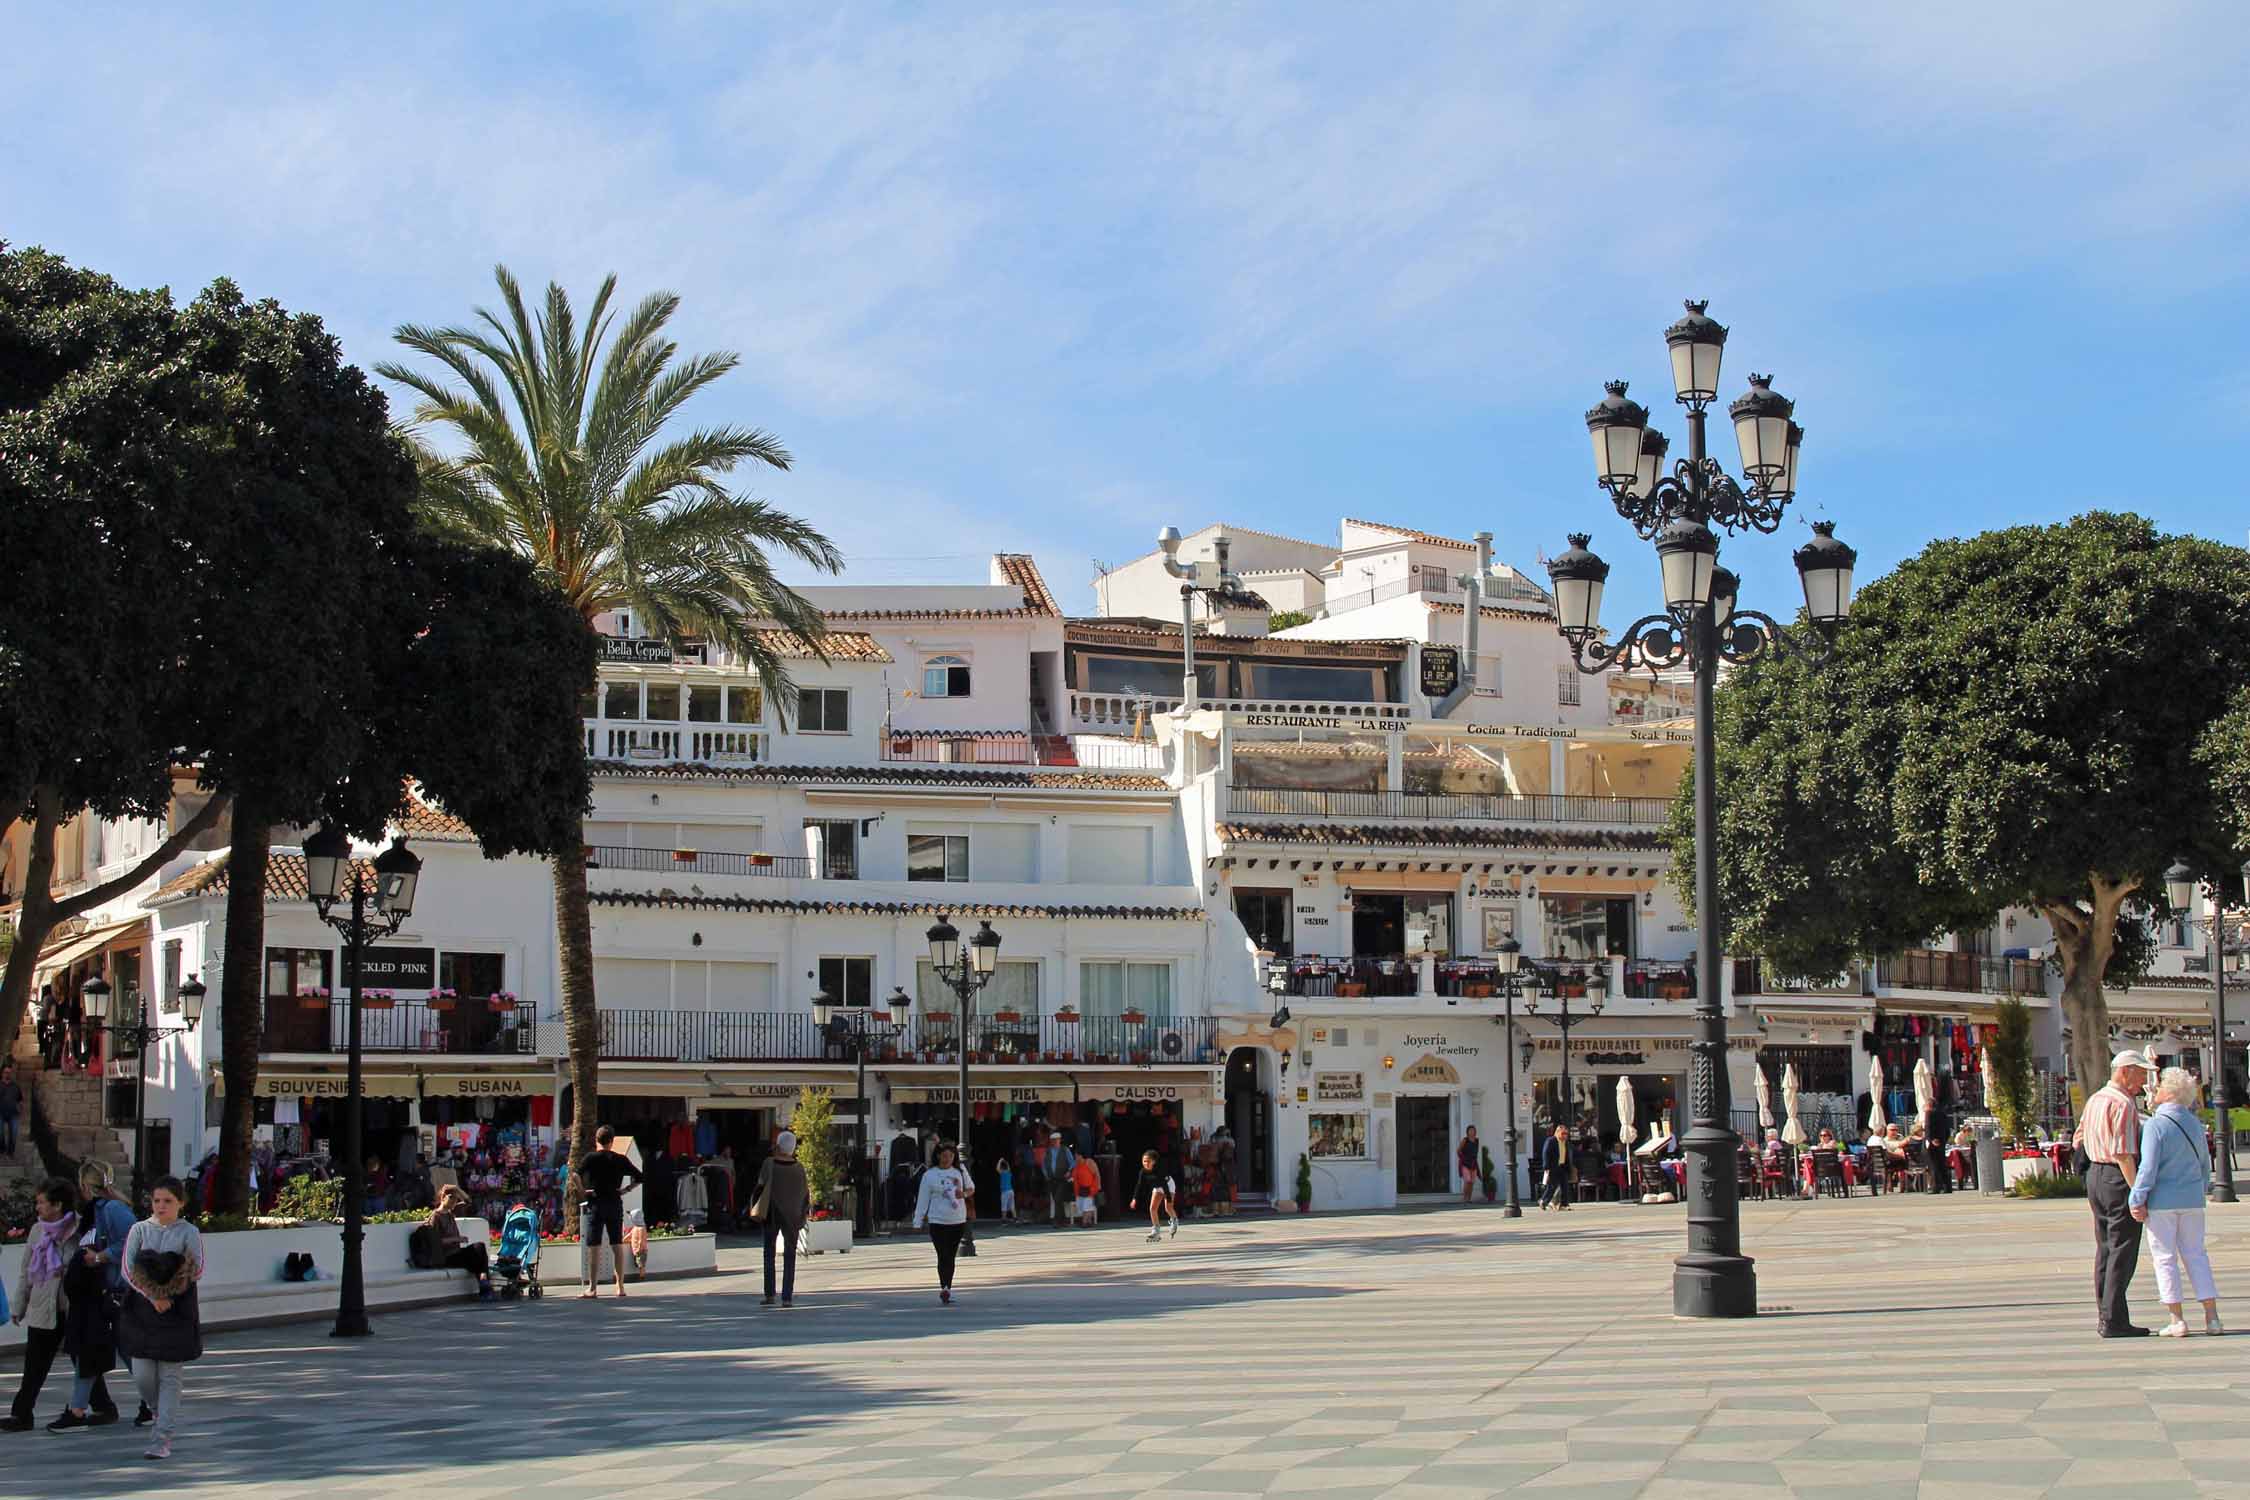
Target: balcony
{"points": [[1961, 973], [1085, 752], [1751, 978], [468, 1028], [1399, 977], [1439, 807], [697, 862], [1121, 713], [667, 741], [775, 1036]]}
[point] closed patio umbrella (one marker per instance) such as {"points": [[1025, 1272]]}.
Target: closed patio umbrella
{"points": [[1991, 1090], [1765, 1104], [1925, 1090], [1626, 1107], [1875, 1117], [1792, 1129]]}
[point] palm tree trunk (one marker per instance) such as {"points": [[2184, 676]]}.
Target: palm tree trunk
{"points": [[242, 1005], [582, 1021]]}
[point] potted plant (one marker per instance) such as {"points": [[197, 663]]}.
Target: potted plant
{"points": [[1491, 1178], [1067, 1016], [443, 999], [1351, 989], [1304, 1183], [1007, 1017], [502, 1000], [1133, 1017], [830, 1224], [377, 1000], [684, 856], [761, 861], [313, 997]]}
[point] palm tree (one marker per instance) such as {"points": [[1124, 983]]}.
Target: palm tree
{"points": [[569, 473]]}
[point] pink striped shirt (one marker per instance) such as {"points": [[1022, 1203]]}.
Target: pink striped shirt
{"points": [[2111, 1126]]}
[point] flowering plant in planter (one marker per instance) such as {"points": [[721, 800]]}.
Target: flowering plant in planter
{"points": [[313, 996], [1007, 1017], [684, 856], [1067, 1016], [502, 1000], [377, 1000], [1134, 1017]]}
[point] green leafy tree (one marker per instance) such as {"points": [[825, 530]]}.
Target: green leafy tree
{"points": [[814, 1121], [2023, 718], [559, 455], [2015, 1085], [1282, 619], [2225, 756]]}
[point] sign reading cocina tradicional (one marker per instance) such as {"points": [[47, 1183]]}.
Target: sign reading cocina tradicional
{"points": [[1338, 1088]]}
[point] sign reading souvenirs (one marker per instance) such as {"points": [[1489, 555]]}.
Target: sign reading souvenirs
{"points": [[637, 653], [395, 968], [1338, 1087], [1441, 670]]}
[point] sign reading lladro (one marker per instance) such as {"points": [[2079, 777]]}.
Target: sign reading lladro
{"points": [[396, 969]]}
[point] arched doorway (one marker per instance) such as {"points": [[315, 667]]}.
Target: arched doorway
{"points": [[1249, 1119]]}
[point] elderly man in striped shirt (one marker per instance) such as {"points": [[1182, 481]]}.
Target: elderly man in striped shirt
{"points": [[2109, 1132]]}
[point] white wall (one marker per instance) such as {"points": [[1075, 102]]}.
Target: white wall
{"points": [[1142, 587]]}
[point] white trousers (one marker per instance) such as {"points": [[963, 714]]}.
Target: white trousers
{"points": [[2178, 1237]]}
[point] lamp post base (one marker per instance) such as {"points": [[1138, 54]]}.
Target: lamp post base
{"points": [[2223, 1193], [351, 1326], [1512, 1211], [1707, 1285]]}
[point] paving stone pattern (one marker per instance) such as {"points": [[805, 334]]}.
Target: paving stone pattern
{"points": [[1910, 1347]]}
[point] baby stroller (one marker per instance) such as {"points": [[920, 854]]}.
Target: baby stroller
{"points": [[517, 1267]]}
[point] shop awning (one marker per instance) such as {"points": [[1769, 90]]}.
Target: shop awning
{"points": [[302, 1084], [63, 952], [492, 1085], [718, 1082]]}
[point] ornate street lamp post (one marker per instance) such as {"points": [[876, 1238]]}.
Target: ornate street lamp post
{"points": [[2180, 887], [332, 876], [963, 968], [1597, 994], [1701, 627], [1509, 963], [136, 1036], [854, 1028]]}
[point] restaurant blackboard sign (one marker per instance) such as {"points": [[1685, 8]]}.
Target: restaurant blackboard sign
{"points": [[396, 969], [1441, 670]]}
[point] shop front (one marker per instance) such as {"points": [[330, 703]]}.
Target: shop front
{"points": [[1827, 1047], [701, 1133]]}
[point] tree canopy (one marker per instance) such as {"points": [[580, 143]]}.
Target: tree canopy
{"points": [[2028, 717]]}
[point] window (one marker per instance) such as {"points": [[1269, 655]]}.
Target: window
{"points": [[621, 700], [1587, 929], [170, 999], [824, 711], [664, 702], [1110, 988], [289, 970], [1327, 684], [945, 677], [1154, 676], [849, 981], [837, 848], [937, 856], [1433, 579], [1265, 916], [1014, 986], [1566, 686], [705, 705], [472, 975], [1337, 1136], [746, 705]]}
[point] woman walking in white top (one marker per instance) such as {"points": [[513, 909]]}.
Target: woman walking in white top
{"points": [[944, 1205]]}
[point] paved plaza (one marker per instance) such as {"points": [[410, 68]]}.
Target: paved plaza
{"points": [[1910, 1347]]}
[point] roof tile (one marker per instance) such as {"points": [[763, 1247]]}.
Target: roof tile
{"points": [[1019, 569]]}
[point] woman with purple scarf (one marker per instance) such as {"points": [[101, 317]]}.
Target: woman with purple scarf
{"points": [[36, 1300]]}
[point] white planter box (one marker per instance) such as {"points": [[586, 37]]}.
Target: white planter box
{"points": [[686, 1255], [822, 1235], [2014, 1169]]}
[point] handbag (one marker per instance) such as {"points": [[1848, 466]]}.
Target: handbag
{"points": [[762, 1205]]}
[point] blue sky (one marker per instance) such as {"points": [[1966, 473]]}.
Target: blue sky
{"points": [[1048, 279]]}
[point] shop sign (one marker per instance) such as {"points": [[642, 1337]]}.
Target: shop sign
{"points": [[1441, 670], [1337, 1088], [1431, 1070], [1617, 1059], [766, 1090], [486, 1085], [330, 1086], [395, 969], [1117, 1093], [636, 653], [1440, 1045], [1320, 721]]}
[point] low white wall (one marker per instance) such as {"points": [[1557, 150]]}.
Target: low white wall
{"points": [[683, 1255]]}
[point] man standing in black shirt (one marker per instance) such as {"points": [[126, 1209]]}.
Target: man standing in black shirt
{"points": [[602, 1179]]}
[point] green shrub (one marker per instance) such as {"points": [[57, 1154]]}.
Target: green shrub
{"points": [[814, 1117], [310, 1198], [1282, 619], [2049, 1185], [1304, 1181], [224, 1223], [2015, 1089], [1491, 1177], [398, 1216]]}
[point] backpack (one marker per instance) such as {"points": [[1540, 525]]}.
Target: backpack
{"points": [[422, 1248]]}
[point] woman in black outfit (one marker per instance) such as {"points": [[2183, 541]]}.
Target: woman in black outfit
{"points": [[1554, 1170]]}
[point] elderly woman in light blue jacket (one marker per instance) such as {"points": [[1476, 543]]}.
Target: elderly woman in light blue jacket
{"points": [[2167, 1196]]}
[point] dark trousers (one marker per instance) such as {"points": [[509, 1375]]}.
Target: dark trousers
{"points": [[1941, 1171], [8, 1135], [40, 1345], [947, 1238], [2117, 1242], [1554, 1186], [474, 1259], [786, 1236]]}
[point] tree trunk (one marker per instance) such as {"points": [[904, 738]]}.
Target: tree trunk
{"points": [[582, 1021], [242, 1006], [35, 918], [2084, 940]]}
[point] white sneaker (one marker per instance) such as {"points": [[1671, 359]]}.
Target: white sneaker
{"points": [[1155, 1235], [2211, 1328], [2176, 1329]]}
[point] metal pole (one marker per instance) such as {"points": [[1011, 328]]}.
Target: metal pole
{"points": [[863, 1202], [1187, 643], [1514, 1209], [2222, 1191], [1714, 1279], [351, 1295], [140, 1107], [964, 994]]}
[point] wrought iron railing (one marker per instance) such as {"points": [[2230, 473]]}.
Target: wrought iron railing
{"points": [[463, 1028], [1962, 973], [697, 862], [760, 1036]]}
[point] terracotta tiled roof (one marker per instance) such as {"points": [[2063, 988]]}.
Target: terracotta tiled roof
{"points": [[424, 819], [1019, 569], [985, 776], [839, 645], [669, 901], [1527, 609], [1447, 835], [933, 614], [285, 879], [1412, 535]]}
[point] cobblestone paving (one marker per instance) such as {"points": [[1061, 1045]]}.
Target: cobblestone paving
{"points": [[1909, 1347]]}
